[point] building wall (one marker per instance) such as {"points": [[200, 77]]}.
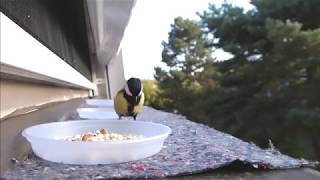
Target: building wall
{"points": [[110, 78], [29, 95], [99, 77], [116, 74], [18, 97]]}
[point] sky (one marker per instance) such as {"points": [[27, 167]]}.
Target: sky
{"points": [[149, 26]]}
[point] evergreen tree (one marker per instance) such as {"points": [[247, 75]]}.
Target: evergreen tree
{"points": [[187, 56], [269, 89]]}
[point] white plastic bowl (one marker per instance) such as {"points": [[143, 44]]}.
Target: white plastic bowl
{"points": [[100, 102], [97, 113], [46, 141]]}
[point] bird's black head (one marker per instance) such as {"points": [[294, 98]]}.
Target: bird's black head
{"points": [[134, 87]]}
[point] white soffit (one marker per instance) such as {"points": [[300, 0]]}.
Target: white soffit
{"points": [[22, 55], [108, 20]]}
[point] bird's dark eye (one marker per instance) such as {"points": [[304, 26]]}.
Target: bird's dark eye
{"points": [[134, 86]]}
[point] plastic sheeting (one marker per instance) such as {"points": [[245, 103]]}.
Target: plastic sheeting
{"points": [[190, 149]]}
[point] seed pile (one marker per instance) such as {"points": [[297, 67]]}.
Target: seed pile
{"points": [[102, 135]]}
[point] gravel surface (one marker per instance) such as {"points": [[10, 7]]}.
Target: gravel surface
{"points": [[191, 148]]}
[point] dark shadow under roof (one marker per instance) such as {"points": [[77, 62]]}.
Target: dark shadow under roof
{"points": [[58, 24]]}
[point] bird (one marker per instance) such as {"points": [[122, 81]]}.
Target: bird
{"points": [[130, 99]]}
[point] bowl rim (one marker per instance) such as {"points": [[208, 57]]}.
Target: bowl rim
{"points": [[99, 99], [101, 102], [29, 136], [106, 109]]}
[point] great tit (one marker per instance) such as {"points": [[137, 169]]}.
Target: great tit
{"points": [[129, 100]]}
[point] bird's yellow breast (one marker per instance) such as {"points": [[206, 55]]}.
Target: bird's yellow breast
{"points": [[121, 104]]}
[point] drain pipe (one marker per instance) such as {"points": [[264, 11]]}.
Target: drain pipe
{"points": [[108, 82]]}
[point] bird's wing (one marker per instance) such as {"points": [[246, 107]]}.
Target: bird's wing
{"points": [[120, 104]]}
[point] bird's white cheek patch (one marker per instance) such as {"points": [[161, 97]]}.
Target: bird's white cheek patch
{"points": [[126, 88], [141, 91]]}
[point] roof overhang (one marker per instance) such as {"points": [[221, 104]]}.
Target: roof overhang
{"points": [[108, 20]]}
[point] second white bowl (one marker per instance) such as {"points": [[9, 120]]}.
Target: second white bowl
{"points": [[97, 113]]}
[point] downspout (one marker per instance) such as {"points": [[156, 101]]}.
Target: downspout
{"points": [[108, 82]]}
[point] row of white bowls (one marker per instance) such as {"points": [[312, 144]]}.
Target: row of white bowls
{"points": [[102, 109], [47, 140]]}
